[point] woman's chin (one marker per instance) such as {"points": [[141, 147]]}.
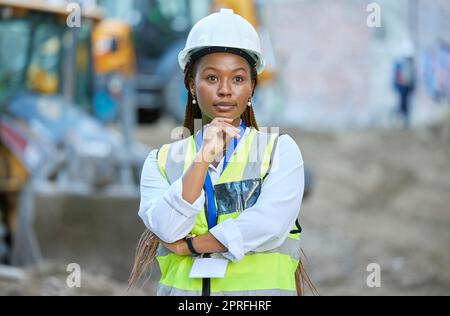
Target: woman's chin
{"points": [[226, 113]]}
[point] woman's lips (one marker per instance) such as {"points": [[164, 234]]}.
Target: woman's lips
{"points": [[224, 107]]}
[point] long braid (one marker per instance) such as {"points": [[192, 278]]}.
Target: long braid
{"points": [[249, 118]]}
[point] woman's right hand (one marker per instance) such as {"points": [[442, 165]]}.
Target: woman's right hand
{"points": [[217, 135]]}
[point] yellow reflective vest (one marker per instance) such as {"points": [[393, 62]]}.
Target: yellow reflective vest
{"points": [[238, 188]]}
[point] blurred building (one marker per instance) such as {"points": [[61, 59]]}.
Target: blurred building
{"points": [[337, 71], [432, 37]]}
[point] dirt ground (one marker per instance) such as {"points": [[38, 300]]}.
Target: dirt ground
{"points": [[380, 196]]}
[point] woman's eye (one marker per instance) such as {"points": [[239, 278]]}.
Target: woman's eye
{"points": [[239, 78], [212, 78]]}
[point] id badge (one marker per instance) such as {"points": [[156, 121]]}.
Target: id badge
{"points": [[210, 268]]}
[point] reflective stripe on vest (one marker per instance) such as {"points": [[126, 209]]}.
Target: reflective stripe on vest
{"points": [[164, 290], [237, 189]]}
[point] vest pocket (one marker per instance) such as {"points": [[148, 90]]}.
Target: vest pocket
{"points": [[238, 196]]}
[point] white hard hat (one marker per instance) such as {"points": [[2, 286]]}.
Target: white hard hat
{"points": [[223, 32]]}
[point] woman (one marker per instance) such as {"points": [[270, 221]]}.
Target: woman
{"points": [[222, 204]]}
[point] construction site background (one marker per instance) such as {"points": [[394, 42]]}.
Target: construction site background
{"points": [[380, 193]]}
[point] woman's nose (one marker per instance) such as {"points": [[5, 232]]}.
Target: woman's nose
{"points": [[224, 89]]}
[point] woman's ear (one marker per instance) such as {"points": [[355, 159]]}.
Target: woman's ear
{"points": [[191, 86]]}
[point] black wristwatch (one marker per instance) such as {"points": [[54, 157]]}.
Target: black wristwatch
{"points": [[191, 246]]}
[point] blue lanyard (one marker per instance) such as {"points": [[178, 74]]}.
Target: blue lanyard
{"points": [[209, 188]]}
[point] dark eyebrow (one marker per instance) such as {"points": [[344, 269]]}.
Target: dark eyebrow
{"points": [[241, 68], [215, 69]]}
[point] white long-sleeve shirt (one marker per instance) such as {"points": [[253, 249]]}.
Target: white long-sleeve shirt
{"points": [[262, 227]]}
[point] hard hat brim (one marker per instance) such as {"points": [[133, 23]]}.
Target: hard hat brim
{"points": [[193, 54]]}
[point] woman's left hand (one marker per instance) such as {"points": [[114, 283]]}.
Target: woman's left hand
{"points": [[179, 247]]}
